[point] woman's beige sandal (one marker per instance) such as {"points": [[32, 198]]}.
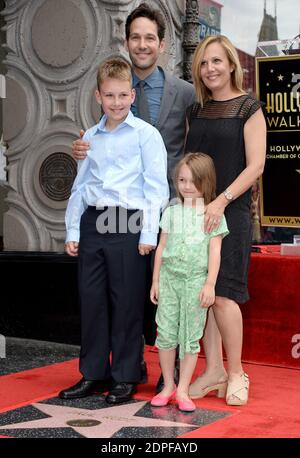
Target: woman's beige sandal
{"points": [[196, 391], [238, 391]]}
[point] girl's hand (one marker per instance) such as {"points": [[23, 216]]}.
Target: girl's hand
{"points": [[213, 214], [71, 248], [207, 295], [154, 292]]}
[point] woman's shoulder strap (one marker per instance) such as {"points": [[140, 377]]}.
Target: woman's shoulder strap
{"points": [[249, 106]]}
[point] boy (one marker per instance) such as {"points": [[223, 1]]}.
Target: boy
{"points": [[124, 177]]}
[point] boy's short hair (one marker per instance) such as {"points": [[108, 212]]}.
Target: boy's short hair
{"points": [[116, 68], [144, 10], [203, 172]]}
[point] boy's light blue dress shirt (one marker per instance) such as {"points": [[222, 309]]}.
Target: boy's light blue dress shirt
{"points": [[125, 167]]}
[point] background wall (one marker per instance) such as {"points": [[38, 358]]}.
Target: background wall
{"points": [[53, 50], [3, 190]]}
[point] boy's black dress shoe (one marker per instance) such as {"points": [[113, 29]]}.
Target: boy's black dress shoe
{"points": [[121, 392], [85, 388]]}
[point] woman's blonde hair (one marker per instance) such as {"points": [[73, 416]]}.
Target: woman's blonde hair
{"points": [[116, 68], [203, 172], [202, 92]]}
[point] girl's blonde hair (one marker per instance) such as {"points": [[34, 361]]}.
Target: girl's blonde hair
{"points": [[202, 92], [203, 172], [115, 67]]}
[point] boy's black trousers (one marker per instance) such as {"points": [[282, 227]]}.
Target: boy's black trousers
{"points": [[112, 290]]}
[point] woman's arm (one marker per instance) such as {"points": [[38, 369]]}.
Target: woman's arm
{"points": [[154, 293], [255, 136], [255, 149]]}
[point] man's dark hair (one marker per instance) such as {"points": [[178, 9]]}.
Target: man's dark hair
{"points": [[143, 10]]}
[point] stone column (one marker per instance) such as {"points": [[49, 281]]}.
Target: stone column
{"points": [[191, 33]]}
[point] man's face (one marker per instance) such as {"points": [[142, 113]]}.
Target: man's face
{"points": [[143, 44]]}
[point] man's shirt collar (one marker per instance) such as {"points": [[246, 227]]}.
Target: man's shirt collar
{"points": [[155, 79]]}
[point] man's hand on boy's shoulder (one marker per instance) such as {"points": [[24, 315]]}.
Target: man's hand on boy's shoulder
{"points": [[71, 248], [145, 249], [80, 147]]}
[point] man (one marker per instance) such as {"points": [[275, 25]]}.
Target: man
{"points": [[161, 99]]}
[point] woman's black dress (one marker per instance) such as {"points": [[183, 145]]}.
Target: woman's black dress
{"points": [[217, 130]]}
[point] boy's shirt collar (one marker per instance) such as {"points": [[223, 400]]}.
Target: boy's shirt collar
{"points": [[129, 120]]}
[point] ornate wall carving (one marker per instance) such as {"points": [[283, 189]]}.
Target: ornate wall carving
{"points": [[53, 50], [190, 36]]}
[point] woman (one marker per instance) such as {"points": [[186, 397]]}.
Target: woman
{"points": [[228, 125]]}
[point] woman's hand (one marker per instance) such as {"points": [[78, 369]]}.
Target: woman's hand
{"points": [[154, 292], [213, 214], [207, 295], [80, 148], [71, 248]]}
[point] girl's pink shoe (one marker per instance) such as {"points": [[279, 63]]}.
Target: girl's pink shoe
{"points": [[186, 406], [161, 401]]}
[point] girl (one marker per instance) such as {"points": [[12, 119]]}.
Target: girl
{"points": [[185, 271]]}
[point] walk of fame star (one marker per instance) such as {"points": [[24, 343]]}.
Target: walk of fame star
{"points": [[135, 419]]}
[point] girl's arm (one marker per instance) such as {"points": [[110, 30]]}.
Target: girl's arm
{"points": [[207, 294], [154, 292], [255, 148]]}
